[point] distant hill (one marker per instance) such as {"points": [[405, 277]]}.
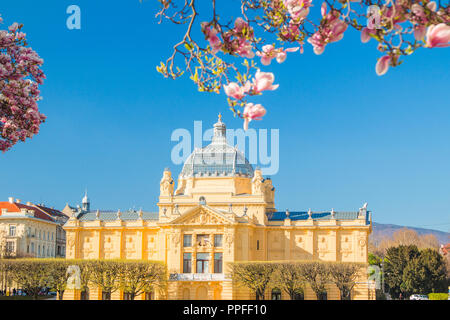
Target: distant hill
{"points": [[380, 230]]}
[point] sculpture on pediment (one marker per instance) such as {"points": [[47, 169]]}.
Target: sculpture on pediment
{"points": [[269, 190], [257, 183], [166, 183], [202, 217], [181, 186]]}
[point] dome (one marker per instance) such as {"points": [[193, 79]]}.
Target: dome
{"points": [[218, 159]]}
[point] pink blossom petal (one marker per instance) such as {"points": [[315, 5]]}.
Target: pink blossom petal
{"points": [[382, 65]]}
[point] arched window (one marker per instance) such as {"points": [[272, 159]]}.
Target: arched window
{"points": [[276, 294], [202, 200], [186, 294]]}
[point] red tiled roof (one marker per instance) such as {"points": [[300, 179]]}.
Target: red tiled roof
{"points": [[446, 249], [15, 207], [11, 207], [52, 212]]}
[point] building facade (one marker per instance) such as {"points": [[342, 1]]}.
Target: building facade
{"points": [[220, 211], [30, 230]]}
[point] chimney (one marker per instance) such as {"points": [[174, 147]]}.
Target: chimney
{"points": [[29, 203], [11, 200], [18, 200]]}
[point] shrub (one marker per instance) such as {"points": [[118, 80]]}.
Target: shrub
{"points": [[438, 296]]}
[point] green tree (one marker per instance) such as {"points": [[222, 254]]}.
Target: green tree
{"points": [[31, 274], [425, 273], [105, 274], [317, 276], [58, 275], [138, 277], [374, 260], [288, 278], [344, 276], [396, 260], [86, 267], [254, 275]]}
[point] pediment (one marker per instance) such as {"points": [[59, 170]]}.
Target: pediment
{"points": [[202, 215]]}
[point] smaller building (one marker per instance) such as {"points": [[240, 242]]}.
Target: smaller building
{"points": [[31, 230]]}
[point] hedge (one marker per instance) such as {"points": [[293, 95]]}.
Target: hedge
{"points": [[438, 296]]}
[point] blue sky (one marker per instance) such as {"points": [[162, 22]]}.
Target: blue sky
{"points": [[347, 136]]}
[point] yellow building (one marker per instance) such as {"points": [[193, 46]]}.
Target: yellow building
{"points": [[221, 211], [31, 230]]}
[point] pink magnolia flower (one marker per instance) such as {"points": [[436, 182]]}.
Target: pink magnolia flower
{"points": [[290, 32], [253, 112], [298, 9], [432, 5], [397, 13], [20, 77], [420, 32], [365, 34], [332, 31], [323, 9], [269, 52], [263, 81], [417, 9], [318, 43], [438, 36], [239, 24], [382, 65], [245, 49], [235, 91], [211, 36]]}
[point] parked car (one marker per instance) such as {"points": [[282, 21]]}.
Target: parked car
{"points": [[418, 297], [52, 293]]}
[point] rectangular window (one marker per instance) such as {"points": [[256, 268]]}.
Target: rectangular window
{"points": [[218, 240], [10, 246], [203, 262], [32, 247], [12, 231], [218, 261], [202, 239], [187, 263], [257, 244], [187, 240]]}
